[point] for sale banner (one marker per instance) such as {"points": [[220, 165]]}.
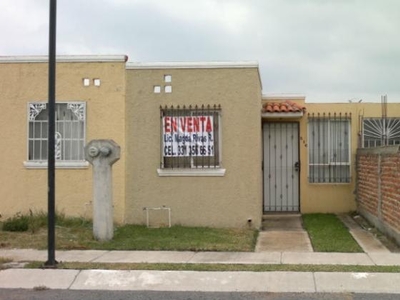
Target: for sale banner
{"points": [[188, 136]]}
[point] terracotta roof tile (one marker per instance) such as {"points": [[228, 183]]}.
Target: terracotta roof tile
{"points": [[282, 107]]}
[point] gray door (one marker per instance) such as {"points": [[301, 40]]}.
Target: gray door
{"points": [[281, 167]]}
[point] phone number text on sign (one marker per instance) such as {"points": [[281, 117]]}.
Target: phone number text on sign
{"points": [[188, 136]]}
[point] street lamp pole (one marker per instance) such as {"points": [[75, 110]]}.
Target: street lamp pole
{"points": [[51, 261]]}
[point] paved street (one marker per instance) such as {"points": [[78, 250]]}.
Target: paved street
{"points": [[21, 294]]}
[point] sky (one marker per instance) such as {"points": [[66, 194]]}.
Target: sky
{"points": [[327, 50]]}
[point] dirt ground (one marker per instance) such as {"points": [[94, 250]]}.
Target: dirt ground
{"points": [[386, 241]]}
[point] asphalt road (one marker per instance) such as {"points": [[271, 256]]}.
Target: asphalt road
{"points": [[19, 294]]}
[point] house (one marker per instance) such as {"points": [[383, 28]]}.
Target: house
{"points": [[90, 90], [200, 144]]}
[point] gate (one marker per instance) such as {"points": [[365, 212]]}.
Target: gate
{"points": [[281, 167]]}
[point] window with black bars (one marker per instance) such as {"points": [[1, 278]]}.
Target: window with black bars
{"points": [[190, 136], [329, 148]]}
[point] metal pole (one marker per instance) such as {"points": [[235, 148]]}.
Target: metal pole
{"points": [[51, 261]]}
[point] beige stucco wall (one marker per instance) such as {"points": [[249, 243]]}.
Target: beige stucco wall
{"points": [[331, 197], [20, 83], [226, 201], [339, 197], [125, 108]]}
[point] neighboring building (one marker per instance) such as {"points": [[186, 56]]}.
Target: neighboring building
{"points": [[198, 141], [91, 105]]}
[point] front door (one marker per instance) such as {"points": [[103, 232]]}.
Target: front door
{"points": [[281, 167]]}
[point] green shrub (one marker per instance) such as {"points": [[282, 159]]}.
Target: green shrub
{"points": [[17, 223], [34, 221], [72, 222], [37, 221]]}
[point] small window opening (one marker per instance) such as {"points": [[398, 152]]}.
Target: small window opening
{"points": [[157, 89], [168, 89], [96, 82]]}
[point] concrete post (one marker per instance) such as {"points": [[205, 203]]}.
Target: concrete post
{"points": [[102, 154]]}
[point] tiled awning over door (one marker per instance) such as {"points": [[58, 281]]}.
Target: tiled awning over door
{"points": [[286, 109]]}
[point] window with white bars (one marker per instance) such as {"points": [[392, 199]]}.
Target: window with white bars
{"points": [[380, 132], [329, 148], [70, 119], [190, 137]]}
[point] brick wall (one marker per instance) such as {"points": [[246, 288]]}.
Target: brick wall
{"points": [[378, 188]]}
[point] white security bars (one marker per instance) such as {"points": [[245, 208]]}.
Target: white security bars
{"points": [[70, 131], [329, 148], [380, 132]]}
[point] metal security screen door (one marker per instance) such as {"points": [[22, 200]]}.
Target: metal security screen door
{"points": [[281, 167]]}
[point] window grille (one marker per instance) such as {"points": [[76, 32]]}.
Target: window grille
{"points": [[380, 132], [190, 137], [329, 148], [69, 136]]}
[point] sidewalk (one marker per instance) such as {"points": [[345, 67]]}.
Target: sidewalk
{"points": [[188, 257], [330, 282], [202, 281]]}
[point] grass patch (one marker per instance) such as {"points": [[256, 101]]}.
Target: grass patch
{"points": [[18, 223], [182, 238], [71, 233], [77, 234], [4, 260], [220, 267], [329, 234], [35, 221]]}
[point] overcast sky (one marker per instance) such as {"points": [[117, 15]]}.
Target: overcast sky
{"points": [[328, 50]]}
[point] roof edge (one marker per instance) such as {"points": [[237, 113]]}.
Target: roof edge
{"points": [[275, 115], [192, 65], [64, 58], [283, 97]]}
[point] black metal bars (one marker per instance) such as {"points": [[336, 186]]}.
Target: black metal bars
{"points": [[190, 136]]}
